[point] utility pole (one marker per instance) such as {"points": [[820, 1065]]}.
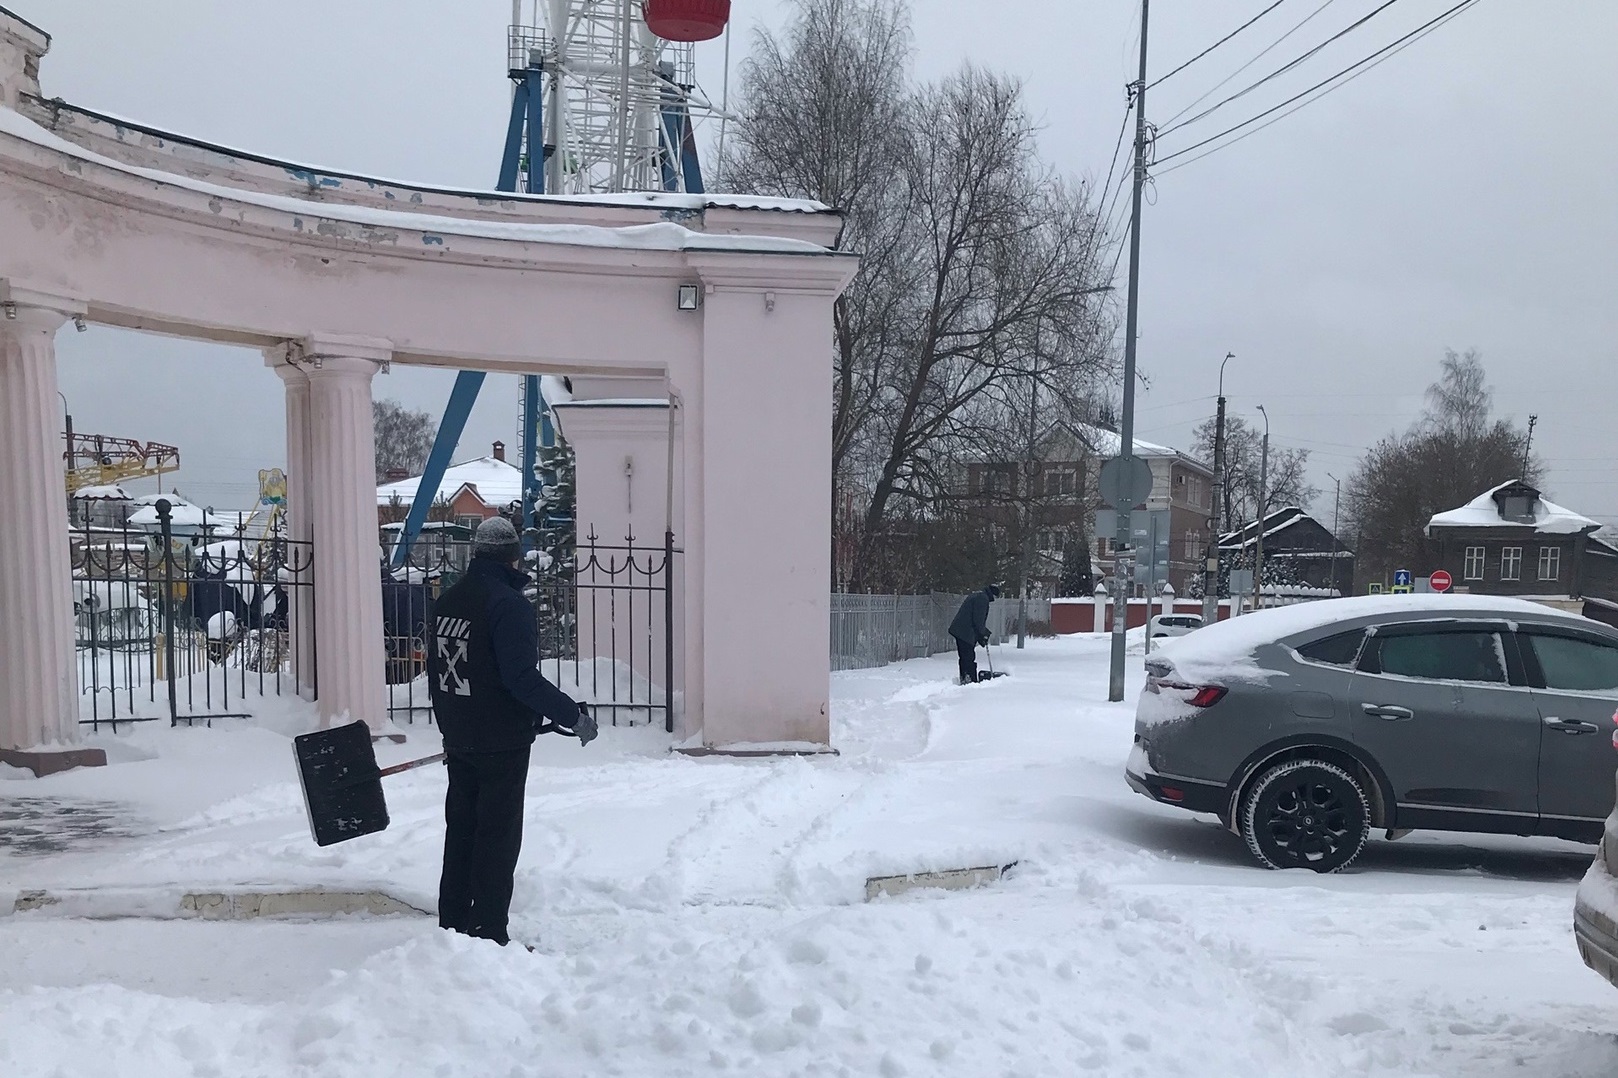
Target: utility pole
{"points": [[1126, 426], [1210, 571], [1336, 501], [1030, 475], [1263, 511], [1533, 421]]}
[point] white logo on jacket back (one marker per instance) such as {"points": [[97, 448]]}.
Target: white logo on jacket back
{"points": [[452, 636]]}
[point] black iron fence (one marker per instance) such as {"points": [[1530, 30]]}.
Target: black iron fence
{"points": [[605, 618], [187, 624]]}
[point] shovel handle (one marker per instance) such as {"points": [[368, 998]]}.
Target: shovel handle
{"points": [[410, 765]]}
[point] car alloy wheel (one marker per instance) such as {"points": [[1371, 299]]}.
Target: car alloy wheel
{"points": [[1306, 814]]}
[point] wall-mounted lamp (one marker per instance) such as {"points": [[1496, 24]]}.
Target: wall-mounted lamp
{"points": [[78, 323], [769, 301], [690, 297], [11, 310]]}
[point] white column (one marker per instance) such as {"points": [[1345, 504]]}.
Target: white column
{"points": [[1098, 611], [38, 681], [349, 649], [300, 521]]}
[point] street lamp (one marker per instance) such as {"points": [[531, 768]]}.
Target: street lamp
{"points": [[1210, 567], [67, 417], [1336, 501], [1263, 507]]}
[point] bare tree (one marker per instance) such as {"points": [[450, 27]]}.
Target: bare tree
{"points": [[1456, 451], [403, 438], [980, 266], [1244, 472]]}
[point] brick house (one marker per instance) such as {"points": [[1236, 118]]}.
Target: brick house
{"points": [[1064, 500], [1298, 550], [1511, 541], [470, 493]]}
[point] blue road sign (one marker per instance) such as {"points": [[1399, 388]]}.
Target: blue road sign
{"points": [[1403, 578]]}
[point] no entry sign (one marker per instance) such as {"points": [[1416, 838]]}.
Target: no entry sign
{"points": [[1440, 580]]}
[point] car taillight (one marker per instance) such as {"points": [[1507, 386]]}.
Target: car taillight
{"points": [[1208, 695]]}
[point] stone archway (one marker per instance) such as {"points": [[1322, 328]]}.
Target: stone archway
{"points": [[336, 276]]}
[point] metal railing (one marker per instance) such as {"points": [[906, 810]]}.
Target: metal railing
{"points": [[875, 630], [605, 620], [183, 629]]}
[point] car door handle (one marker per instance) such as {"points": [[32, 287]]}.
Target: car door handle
{"points": [[1387, 711], [1571, 726]]}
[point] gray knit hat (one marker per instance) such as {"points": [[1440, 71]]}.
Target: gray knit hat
{"points": [[497, 539]]}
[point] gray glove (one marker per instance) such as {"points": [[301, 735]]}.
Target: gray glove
{"points": [[585, 729]]}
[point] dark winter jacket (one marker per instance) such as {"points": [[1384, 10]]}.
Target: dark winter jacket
{"points": [[971, 624], [483, 665]]}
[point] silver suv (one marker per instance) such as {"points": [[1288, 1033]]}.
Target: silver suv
{"points": [[1305, 728]]}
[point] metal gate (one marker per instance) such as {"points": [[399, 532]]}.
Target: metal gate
{"points": [[606, 625], [186, 628]]}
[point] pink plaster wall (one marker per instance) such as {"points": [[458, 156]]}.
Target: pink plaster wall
{"points": [[162, 256]]}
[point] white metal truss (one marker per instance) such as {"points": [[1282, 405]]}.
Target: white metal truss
{"points": [[607, 81]]}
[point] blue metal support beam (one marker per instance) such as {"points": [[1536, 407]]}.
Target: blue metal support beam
{"points": [[524, 133], [461, 399]]}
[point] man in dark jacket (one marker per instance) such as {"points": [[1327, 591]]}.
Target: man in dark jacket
{"points": [[971, 628], [490, 700]]}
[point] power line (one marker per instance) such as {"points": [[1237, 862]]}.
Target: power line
{"points": [[1284, 68], [1396, 45], [1106, 188], [1216, 87], [1218, 43]]}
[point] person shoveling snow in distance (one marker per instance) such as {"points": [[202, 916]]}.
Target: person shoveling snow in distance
{"points": [[971, 629], [490, 701]]}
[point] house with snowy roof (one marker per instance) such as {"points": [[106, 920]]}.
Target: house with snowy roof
{"points": [[471, 492], [1512, 541], [1298, 550], [1063, 488]]}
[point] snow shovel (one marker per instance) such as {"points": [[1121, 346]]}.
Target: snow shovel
{"points": [[342, 785], [991, 673]]}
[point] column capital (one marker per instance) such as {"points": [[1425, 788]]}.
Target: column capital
{"points": [[36, 308], [318, 348], [282, 360]]}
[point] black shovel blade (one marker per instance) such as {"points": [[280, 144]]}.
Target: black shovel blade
{"points": [[342, 785]]}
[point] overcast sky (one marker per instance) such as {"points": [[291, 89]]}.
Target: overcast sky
{"points": [[1459, 195]]}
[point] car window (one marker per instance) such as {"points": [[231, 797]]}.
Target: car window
{"points": [[1340, 649], [1445, 656], [1575, 665]]}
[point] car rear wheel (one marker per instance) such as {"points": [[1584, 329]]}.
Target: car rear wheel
{"points": [[1306, 814]]}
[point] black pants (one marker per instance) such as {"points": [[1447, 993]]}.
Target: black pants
{"points": [[969, 661], [482, 837]]}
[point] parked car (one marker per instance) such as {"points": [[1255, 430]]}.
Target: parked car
{"points": [[1305, 728], [1165, 625]]}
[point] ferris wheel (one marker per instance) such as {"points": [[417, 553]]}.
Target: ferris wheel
{"points": [[604, 101], [605, 94]]}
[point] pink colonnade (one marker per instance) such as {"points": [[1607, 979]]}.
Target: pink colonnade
{"points": [[335, 278]]}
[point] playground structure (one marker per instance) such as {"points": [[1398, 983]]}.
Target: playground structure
{"points": [[695, 331], [96, 460]]}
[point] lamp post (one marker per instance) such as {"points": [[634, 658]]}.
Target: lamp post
{"points": [[1263, 511], [1210, 569], [1336, 501], [68, 418]]}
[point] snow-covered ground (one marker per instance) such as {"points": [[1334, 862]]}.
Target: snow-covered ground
{"points": [[708, 917]]}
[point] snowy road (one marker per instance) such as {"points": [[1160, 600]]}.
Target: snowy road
{"points": [[707, 917]]}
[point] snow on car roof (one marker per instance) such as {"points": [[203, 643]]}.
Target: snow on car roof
{"points": [[1227, 649]]}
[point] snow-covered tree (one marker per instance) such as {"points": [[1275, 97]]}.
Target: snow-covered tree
{"points": [[552, 555]]}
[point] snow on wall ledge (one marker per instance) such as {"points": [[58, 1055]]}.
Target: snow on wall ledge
{"points": [[396, 227], [140, 145]]}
